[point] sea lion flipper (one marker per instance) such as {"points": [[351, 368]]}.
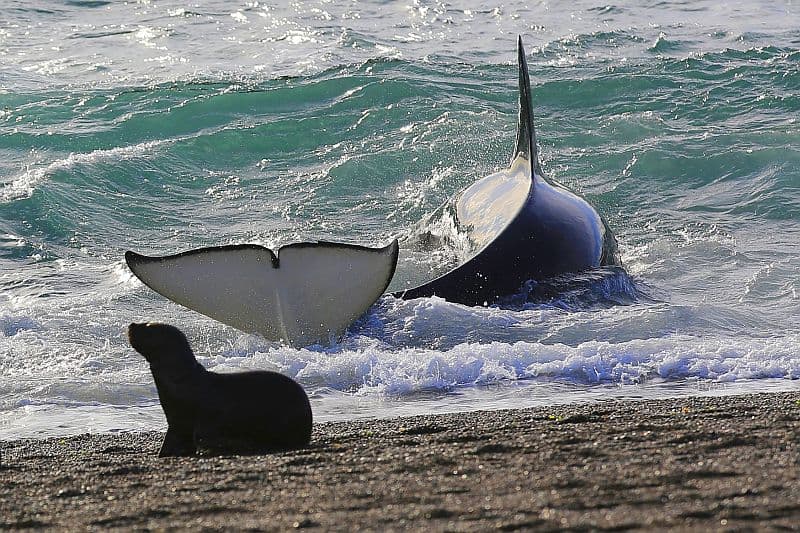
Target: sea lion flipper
{"points": [[177, 444]]}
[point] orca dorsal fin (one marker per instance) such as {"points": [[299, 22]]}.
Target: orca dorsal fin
{"points": [[526, 132]]}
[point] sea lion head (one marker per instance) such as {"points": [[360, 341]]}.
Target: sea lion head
{"points": [[161, 344]]}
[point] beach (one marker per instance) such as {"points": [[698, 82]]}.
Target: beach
{"points": [[700, 463]]}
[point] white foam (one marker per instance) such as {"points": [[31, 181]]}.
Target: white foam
{"points": [[11, 325], [71, 389], [23, 186], [405, 357], [373, 369]]}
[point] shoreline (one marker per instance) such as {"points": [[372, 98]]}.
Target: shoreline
{"points": [[708, 462]]}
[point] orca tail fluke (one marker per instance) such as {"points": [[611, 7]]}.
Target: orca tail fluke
{"points": [[305, 293], [526, 132]]}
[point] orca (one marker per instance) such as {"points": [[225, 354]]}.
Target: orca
{"points": [[305, 293], [521, 226]]}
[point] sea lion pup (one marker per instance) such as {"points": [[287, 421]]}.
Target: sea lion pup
{"points": [[245, 411]]}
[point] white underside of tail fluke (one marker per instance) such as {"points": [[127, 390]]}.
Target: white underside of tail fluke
{"points": [[307, 293]]}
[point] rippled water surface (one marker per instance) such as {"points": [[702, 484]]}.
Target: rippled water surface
{"points": [[162, 126]]}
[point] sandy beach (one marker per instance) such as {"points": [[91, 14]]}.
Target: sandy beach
{"points": [[721, 463]]}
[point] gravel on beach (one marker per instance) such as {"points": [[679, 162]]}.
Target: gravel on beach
{"points": [[718, 463]]}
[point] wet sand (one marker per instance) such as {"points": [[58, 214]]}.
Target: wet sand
{"points": [[725, 463]]}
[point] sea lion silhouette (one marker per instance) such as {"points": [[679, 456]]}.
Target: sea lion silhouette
{"points": [[245, 411]]}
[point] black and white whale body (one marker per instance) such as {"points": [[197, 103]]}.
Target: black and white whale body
{"points": [[522, 226], [252, 411], [305, 293]]}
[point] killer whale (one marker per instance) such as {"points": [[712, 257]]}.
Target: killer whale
{"points": [[521, 225], [305, 293]]}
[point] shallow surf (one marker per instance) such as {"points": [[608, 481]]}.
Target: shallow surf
{"points": [[160, 128]]}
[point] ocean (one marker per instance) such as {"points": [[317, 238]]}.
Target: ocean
{"points": [[161, 126]]}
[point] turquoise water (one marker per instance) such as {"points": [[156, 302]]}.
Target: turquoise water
{"points": [[163, 126]]}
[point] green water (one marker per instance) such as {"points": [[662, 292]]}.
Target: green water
{"points": [[678, 122]]}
